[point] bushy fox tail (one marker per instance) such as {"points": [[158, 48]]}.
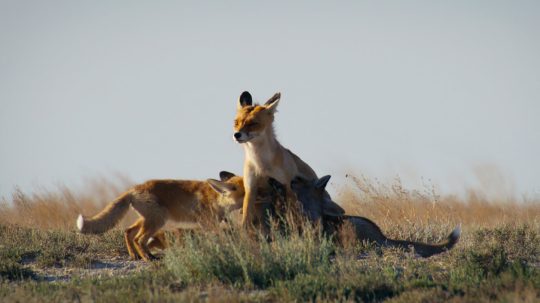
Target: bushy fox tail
{"points": [[107, 218], [427, 250], [367, 230]]}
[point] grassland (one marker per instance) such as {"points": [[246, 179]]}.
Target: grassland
{"points": [[43, 259]]}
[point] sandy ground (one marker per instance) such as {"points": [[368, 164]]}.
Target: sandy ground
{"points": [[106, 267]]}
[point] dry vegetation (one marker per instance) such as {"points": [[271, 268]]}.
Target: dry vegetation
{"points": [[58, 208], [496, 260], [389, 205], [392, 205]]}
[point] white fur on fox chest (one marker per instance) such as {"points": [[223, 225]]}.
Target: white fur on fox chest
{"points": [[259, 163]]}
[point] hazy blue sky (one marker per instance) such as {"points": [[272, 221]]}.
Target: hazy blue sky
{"points": [[431, 89]]}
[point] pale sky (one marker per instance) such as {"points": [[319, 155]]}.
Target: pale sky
{"points": [[421, 89]]}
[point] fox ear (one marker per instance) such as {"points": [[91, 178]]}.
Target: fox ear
{"points": [[272, 103], [321, 183], [245, 99], [225, 175], [220, 186]]}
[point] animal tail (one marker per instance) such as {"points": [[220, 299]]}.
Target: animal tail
{"points": [[367, 230], [107, 218], [427, 250]]}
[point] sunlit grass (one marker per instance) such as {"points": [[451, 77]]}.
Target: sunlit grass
{"points": [[497, 258]]}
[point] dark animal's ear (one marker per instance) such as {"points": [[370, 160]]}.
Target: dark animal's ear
{"points": [[273, 102], [245, 99], [225, 175], [321, 183]]}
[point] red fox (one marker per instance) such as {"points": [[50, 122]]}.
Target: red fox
{"points": [[161, 201], [310, 194], [265, 157]]}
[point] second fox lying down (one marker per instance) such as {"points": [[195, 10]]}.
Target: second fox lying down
{"points": [[311, 198], [200, 202]]}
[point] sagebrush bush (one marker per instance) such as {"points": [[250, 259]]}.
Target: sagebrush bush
{"points": [[249, 259]]}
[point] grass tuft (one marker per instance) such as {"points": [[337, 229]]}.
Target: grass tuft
{"points": [[243, 260]]}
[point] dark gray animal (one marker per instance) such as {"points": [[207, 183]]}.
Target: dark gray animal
{"points": [[310, 198]]}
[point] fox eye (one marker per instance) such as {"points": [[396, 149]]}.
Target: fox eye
{"points": [[253, 124]]}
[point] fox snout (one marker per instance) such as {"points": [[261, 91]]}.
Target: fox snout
{"points": [[241, 137]]}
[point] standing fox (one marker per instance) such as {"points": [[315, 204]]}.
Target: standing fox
{"points": [[159, 201], [265, 157]]}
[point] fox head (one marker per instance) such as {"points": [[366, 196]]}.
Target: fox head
{"points": [[310, 193], [252, 120], [230, 188]]}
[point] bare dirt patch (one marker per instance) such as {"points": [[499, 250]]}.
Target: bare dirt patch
{"points": [[108, 267]]}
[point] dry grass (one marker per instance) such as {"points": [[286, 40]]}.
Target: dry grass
{"points": [[58, 208], [391, 206], [497, 258]]}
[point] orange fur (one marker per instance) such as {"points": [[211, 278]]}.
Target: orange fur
{"points": [[264, 156], [160, 201]]}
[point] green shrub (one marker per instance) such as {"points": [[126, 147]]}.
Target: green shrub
{"points": [[234, 257]]}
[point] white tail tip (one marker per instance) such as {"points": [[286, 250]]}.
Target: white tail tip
{"points": [[80, 222]]}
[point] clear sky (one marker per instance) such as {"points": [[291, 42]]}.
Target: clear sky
{"points": [[431, 89]]}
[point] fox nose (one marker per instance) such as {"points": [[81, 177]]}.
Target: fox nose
{"points": [[238, 135]]}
